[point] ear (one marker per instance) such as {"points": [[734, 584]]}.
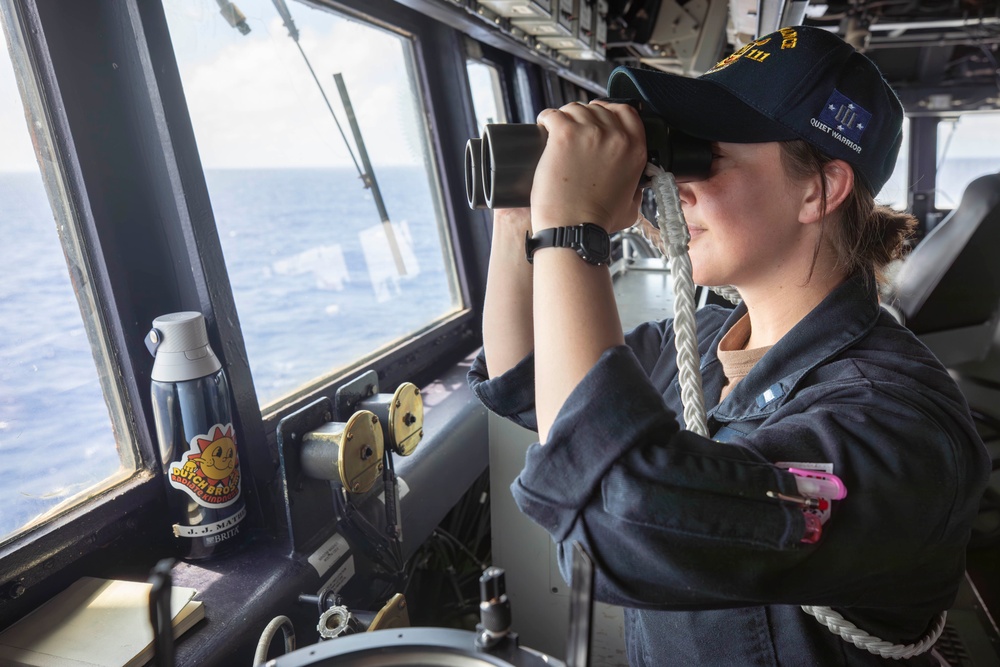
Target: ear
{"points": [[838, 177]]}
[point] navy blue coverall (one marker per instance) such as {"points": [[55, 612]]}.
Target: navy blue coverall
{"points": [[710, 570]]}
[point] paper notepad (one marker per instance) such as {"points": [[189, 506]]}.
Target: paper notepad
{"points": [[94, 622]]}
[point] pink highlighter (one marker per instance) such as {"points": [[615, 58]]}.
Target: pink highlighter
{"points": [[815, 484]]}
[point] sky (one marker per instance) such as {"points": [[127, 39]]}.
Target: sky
{"points": [[253, 102], [16, 152]]}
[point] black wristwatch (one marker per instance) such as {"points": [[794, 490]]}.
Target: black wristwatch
{"points": [[590, 242]]}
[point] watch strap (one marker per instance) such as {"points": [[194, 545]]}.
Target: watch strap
{"points": [[553, 237], [564, 237]]}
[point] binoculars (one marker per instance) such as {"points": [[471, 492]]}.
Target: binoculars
{"points": [[500, 166]]}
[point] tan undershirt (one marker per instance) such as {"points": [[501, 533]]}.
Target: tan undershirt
{"points": [[736, 361]]}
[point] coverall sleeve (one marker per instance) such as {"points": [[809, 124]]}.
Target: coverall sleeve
{"points": [[677, 521], [512, 394]]}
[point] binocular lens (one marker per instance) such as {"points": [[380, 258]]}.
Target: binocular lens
{"points": [[486, 167], [474, 191]]}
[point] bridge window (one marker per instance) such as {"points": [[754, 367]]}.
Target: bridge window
{"points": [[57, 442], [487, 94], [322, 181], [966, 150], [893, 193]]}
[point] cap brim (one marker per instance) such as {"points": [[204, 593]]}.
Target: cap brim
{"points": [[699, 107]]}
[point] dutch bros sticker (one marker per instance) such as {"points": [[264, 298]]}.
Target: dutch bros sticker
{"points": [[209, 471]]}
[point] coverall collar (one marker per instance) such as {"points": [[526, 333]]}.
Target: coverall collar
{"points": [[831, 327]]}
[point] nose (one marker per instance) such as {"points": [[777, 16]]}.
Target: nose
{"points": [[686, 194]]}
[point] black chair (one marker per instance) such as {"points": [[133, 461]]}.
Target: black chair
{"points": [[948, 289]]}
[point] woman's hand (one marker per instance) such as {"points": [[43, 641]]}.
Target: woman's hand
{"points": [[590, 170]]}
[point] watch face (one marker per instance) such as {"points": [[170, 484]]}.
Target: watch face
{"points": [[596, 243]]}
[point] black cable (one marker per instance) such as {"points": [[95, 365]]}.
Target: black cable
{"points": [[455, 541], [392, 518], [355, 522]]}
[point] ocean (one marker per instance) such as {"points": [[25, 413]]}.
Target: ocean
{"points": [[315, 288]]}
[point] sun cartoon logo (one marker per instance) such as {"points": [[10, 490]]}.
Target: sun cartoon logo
{"points": [[210, 470], [218, 454]]}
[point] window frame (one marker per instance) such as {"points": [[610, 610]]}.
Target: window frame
{"points": [[30, 558], [108, 77]]}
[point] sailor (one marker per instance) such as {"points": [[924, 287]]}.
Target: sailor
{"points": [[712, 544]]}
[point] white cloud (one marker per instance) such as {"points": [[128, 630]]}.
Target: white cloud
{"points": [[16, 150], [253, 101]]}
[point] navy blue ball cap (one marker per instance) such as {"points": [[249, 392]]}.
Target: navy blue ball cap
{"points": [[797, 83]]}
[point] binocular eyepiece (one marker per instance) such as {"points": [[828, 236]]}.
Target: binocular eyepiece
{"points": [[500, 165]]}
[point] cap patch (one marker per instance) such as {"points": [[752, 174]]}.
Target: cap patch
{"points": [[843, 120], [752, 50]]}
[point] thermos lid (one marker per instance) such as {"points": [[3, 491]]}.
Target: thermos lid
{"points": [[180, 343]]}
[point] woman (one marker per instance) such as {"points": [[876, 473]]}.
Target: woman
{"points": [[708, 543]]}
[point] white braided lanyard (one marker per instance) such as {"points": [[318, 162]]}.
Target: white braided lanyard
{"points": [[673, 243]]}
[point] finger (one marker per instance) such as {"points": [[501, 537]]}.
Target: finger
{"points": [[625, 114], [576, 115], [599, 112], [574, 111], [579, 112], [542, 114]]}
